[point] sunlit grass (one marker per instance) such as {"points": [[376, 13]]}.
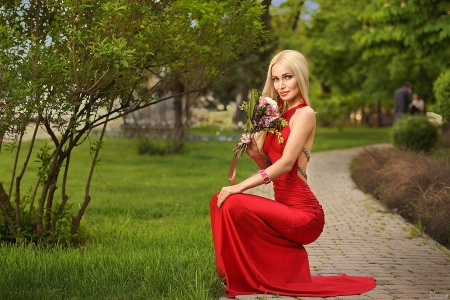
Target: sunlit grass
{"points": [[334, 138]]}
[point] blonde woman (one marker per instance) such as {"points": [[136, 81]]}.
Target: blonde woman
{"points": [[259, 242]]}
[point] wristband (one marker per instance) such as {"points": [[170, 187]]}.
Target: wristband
{"points": [[264, 175]]}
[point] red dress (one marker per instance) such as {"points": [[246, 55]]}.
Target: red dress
{"points": [[259, 242]]}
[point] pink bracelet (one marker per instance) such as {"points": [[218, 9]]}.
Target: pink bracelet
{"points": [[264, 175]]}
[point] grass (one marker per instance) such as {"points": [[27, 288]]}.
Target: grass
{"points": [[148, 222], [325, 138], [334, 138]]}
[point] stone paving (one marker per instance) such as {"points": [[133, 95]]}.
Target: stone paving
{"points": [[362, 238]]}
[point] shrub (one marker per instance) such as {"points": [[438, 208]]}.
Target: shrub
{"points": [[372, 161], [414, 133], [414, 185], [158, 147], [59, 235], [441, 89]]}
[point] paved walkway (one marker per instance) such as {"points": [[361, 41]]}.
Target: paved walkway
{"points": [[361, 237]]}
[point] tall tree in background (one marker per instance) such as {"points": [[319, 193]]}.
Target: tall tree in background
{"points": [[335, 59], [362, 51], [250, 70], [288, 25], [411, 39], [75, 65]]}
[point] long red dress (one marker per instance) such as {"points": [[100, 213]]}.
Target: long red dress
{"points": [[259, 242]]}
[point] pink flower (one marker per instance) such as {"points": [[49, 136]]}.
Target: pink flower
{"points": [[263, 115]]}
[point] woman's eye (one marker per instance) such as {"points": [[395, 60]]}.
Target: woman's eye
{"points": [[275, 79], [288, 77]]}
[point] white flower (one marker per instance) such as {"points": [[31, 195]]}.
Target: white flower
{"points": [[272, 102]]}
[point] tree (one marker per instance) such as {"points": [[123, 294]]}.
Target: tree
{"points": [[409, 38], [288, 24], [441, 88], [250, 71], [75, 65], [337, 71], [363, 51]]}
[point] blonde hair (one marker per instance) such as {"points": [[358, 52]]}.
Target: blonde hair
{"points": [[295, 61]]}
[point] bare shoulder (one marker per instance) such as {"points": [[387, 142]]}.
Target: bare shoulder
{"points": [[305, 113]]}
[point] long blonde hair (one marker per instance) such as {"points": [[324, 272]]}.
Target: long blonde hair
{"points": [[295, 61]]}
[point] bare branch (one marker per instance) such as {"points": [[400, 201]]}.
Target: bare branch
{"points": [[16, 159], [87, 198], [19, 178]]}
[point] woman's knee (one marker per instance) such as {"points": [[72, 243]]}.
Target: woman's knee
{"points": [[229, 203], [232, 203], [213, 200]]}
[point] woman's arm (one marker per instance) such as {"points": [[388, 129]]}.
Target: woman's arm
{"points": [[301, 125], [260, 159]]}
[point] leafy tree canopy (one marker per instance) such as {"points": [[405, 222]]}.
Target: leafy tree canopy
{"points": [[367, 49], [412, 37], [74, 65]]}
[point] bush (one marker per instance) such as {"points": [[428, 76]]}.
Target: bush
{"points": [[413, 184], [441, 89], [414, 133], [59, 235], [158, 147]]}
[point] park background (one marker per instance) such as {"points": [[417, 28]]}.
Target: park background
{"points": [[125, 114]]}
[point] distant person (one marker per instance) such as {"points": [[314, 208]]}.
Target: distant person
{"points": [[417, 104], [402, 100]]}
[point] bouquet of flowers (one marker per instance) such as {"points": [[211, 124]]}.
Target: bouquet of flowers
{"points": [[263, 115]]}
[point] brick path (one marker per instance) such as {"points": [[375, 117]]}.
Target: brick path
{"points": [[361, 237]]}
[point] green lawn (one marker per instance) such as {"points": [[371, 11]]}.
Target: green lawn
{"points": [[148, 222]]}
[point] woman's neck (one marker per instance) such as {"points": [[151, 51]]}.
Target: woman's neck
{"points": [[290, 104]]}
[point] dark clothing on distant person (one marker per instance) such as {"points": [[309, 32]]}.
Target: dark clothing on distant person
{"points": [[402, 101]]}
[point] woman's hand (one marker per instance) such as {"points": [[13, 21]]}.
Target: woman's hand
{"points": [[252, 148], [245, 139], [227, 191]]}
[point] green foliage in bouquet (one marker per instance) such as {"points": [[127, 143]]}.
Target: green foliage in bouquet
{"points": [[262, 114]]}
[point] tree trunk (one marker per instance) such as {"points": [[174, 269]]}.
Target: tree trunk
{"points": [[265, 17], [364, 117], [241, 96], [87, 197], [296, 14], [4, 200], [42, 213], [6, 208], [378, 114], [58, 157], [179, 130], [22, 173], [2, 135]]}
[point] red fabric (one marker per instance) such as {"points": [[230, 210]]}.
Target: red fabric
{"points": [[259, 242]]}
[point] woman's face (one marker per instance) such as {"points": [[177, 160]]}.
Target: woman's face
{"points": [[286, 84]]}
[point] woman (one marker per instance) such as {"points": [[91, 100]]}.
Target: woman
{"points": [[417, 104], [259, 242]]}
